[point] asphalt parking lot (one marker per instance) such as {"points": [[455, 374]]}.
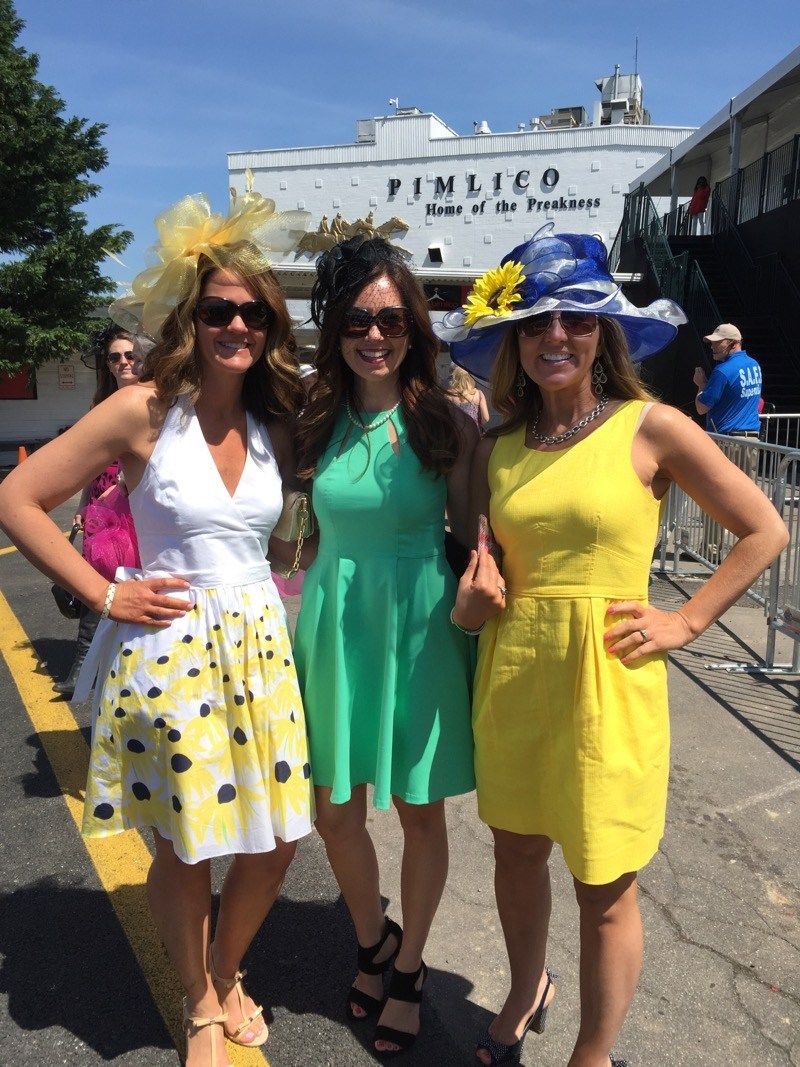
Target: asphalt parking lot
{"points": [[83, 980]]}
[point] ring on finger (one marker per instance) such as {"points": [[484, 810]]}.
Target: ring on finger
{"points": [[502, 589], [645, 636]]}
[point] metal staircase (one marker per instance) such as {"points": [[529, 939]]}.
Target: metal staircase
{"points": [[715, 279]]}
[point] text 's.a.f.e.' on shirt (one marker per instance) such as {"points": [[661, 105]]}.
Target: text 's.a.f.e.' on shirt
{"points": [[732, 393]]}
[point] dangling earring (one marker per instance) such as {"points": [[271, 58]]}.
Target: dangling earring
{"points": [[599, 378], [521, 380]]}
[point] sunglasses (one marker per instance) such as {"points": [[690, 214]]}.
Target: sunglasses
{"points": [[575, 323], [213, 311], [392, 322], [115, 357]]}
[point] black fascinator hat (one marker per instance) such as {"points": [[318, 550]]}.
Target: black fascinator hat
{"points": [[343, 269]]}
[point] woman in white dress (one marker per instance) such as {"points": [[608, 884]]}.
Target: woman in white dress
{"points": [[198, 728]]}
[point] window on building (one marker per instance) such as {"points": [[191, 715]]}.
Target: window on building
{"points": [[18, 386]]}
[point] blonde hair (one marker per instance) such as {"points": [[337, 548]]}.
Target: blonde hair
{"points": [[461, 383], [272, 385], [612, 352]]}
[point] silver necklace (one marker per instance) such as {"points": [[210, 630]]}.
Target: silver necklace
{"points": [[556, 439], [368, 427]]}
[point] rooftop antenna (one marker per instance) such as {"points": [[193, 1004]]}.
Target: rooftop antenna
{"points": [[394, 102], [636, 57]]}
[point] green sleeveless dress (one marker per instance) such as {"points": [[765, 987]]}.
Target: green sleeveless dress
{"points": [[386, 677]]}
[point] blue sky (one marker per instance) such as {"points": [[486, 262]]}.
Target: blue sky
{"points": [[181, 82]]}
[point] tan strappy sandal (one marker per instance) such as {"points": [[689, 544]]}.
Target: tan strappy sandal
{"points": [[196, 1022], [248, 1020]]}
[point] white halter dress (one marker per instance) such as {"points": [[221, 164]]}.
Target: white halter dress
{"points": [[198, 729]]}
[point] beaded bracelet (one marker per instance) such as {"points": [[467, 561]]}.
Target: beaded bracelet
{"points": [[108, 601], [463, 629]]}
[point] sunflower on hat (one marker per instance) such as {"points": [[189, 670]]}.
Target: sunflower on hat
{"points": [[494, 292]]}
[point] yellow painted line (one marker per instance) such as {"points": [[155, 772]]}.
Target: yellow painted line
{"points": [[121, 861]]}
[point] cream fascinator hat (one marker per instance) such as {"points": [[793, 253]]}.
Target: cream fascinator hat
{"points": [[189, 230]]}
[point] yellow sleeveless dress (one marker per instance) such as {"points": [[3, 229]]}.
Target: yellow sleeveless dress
{"points": [[569, 742]]}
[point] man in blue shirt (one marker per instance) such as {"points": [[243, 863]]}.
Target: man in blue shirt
{"points": [[729, 399]]}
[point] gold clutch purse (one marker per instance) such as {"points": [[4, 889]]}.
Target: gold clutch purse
{"points": [[295, 524]]}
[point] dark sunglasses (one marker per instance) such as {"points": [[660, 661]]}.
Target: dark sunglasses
{"points": [[392, 322], [213, 311], [115, 357], [575, 323]]}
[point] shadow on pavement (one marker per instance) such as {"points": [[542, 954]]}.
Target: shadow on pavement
{"points": [[766, 705], [41, 782], [303, 961], [55, 654], [67, 964]]}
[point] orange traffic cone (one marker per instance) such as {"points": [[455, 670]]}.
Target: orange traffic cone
{"points": [[22, 453]]}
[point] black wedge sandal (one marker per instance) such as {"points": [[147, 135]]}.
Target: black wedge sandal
{"points": [[402, 986], [366, 963], [501, 1053]]}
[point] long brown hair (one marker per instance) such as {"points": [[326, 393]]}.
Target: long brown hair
{"points": [[272, 385], [623, 382], [342, 273], [101, 342]]}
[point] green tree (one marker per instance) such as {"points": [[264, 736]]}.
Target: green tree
{"points": [[50, 263]]}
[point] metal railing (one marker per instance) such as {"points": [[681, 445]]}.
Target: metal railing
{"points": [[615, 251], [644, 221], [766, 184], [698, 303], [695, 536], [781, 429], [679, 223], [730, 246]]}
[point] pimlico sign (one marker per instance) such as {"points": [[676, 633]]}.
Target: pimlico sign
{"points": [[520, 186]]}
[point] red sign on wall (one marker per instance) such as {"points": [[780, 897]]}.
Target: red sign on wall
{"points": [[18, 386]]}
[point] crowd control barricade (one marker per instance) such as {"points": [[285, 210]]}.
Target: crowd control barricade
{"points": [[696, 538], [782, 429]]}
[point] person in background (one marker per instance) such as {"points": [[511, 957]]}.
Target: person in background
{"points": [[731, 402], [465, 394], [729, 398], [696, 208], [118, 360]]}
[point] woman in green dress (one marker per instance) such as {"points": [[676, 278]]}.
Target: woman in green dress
{"points": [[385, 675]]}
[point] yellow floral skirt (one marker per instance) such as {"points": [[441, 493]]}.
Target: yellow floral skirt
{"points": [[199, 730]]}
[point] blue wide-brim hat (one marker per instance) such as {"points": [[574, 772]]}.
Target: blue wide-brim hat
{"points": [[551, 272]]}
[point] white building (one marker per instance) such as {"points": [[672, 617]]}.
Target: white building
{"points": [[32, 411], [457, 203]]}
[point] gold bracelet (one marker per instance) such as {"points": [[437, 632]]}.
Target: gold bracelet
{"points": [[463, 629]]}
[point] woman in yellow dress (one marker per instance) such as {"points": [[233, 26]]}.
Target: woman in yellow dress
{"points": [[570, 711]]}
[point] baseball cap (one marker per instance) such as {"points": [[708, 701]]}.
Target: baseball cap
{"points": [[726, 331]]}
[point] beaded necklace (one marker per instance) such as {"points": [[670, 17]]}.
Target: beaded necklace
{"points": [[368, 427]]}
